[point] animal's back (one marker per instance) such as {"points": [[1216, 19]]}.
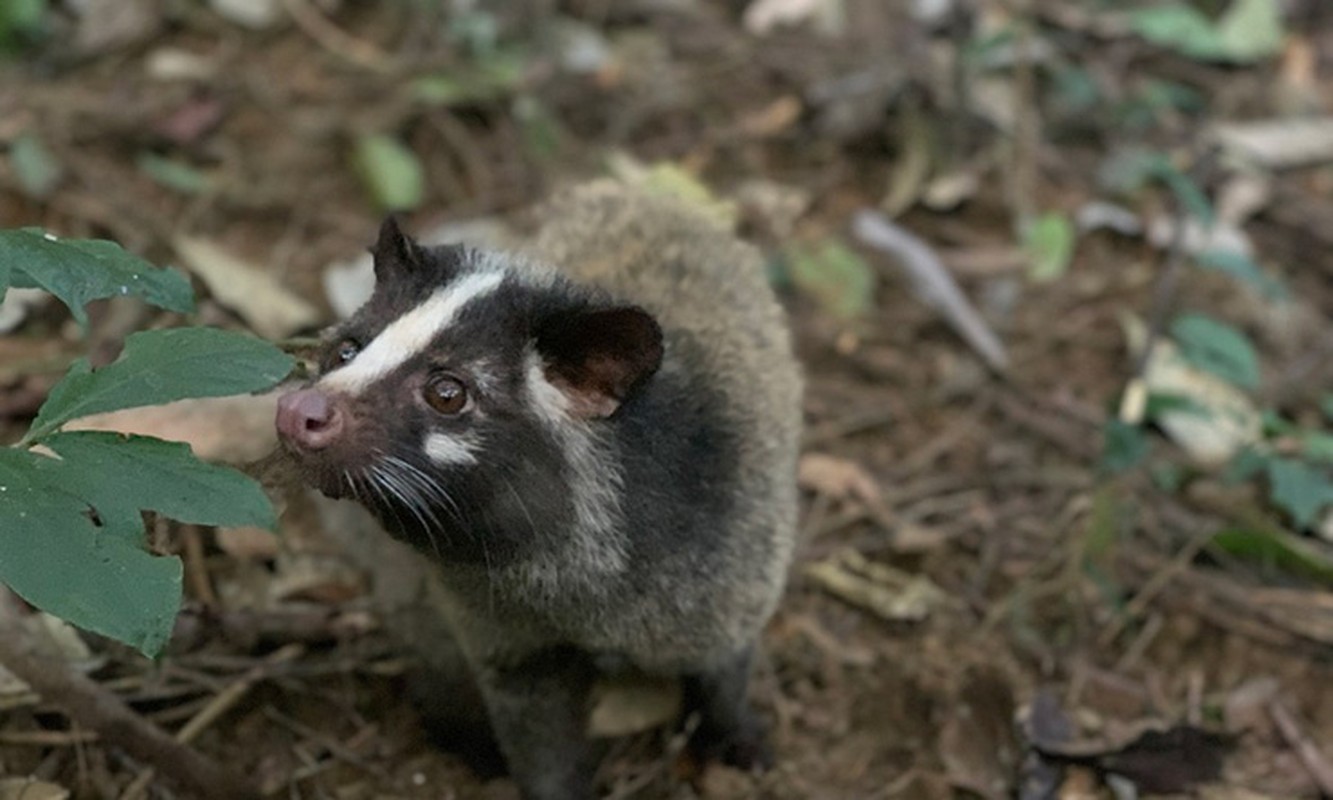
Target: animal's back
{"points": [[726, 336]]}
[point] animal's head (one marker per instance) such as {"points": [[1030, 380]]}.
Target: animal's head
{"points": [[462, 404]]}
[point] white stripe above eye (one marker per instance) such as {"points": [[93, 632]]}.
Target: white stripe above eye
{"points": [[445, 449], [410, 334]]}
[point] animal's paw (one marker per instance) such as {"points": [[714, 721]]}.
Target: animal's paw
{"points": [[744, 748], [751, 753]]}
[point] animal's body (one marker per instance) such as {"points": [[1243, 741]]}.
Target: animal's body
{"points": [[596, 444]]}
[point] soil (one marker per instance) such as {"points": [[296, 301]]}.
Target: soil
{"points": [[1066, 595]]}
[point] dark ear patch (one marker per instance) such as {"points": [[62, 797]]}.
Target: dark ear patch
{"points": [[596, 358], [396, 254]]}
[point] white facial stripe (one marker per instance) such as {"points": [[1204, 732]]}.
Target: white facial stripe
{"points": [[411, 333], [549, 401], [445, 449]]}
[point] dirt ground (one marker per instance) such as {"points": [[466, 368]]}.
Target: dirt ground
{"points": [[1023, 590]]}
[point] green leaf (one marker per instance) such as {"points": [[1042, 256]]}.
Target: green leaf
{"points": [[539, 128], [93, 573], [1075, 89], [1248, 463], [20, 17], [1274, 424], [36, 169], [123, 475], [1180, 27], [80, 270], [1317, 446], [1217, 348], [672, 180], [1160, 403], [1049, 241], [478, 30], [1106, 522], [160, 366], [1242, 267], [1251, 30], [1123, 447], [1299, 489], [1277, 548], [173, 174], [1326, 405], [494, 76], [390, 171], [1167, 476], [1188, 194], [839, 279], [1130, 169]]}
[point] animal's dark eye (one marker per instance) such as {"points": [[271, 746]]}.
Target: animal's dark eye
{"points": [[346, 351], [446, 394]]}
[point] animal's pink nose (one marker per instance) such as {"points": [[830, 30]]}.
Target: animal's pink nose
{"points": [[308, 419]]}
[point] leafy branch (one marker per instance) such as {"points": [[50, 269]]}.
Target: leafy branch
{"points": [[1294, 460], [72, 539]]}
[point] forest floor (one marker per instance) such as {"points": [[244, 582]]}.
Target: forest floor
{"points": [[1023, 620]]}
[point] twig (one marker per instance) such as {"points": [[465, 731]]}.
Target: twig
{"points": [[1154, 586], [1165, 294], [334, 39], [93, 707], [933, 283], [855, 422], [336, 748], [1027, 123], [47, 738], [220, 705], [1319, 767], [196, 570]]}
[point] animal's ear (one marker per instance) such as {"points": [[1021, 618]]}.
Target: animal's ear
{"points": [[596, 358], [396, 254]]}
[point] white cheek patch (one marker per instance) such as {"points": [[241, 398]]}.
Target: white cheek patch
{"points": [[452, 450], [410, 334]]}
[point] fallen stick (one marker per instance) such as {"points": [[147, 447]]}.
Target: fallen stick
{"points": [[95, 708], [1319, 767], [933, 284], [219, 705]]}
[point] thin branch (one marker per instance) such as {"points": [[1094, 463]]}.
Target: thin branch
{"points": [[933, 283], [96, 709]]}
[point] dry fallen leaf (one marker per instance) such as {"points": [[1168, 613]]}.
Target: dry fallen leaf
{"points": [[1223, 419], [1279, 143], [885, 591], [628, 706], [232, 430], [315, 577], [838, 478], [248, 543], [977, 741], [273, 310], [764, 16], [773, 119], [30, 789]]}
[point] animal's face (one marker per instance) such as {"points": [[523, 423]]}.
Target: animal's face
{"points": [[453, 402]]}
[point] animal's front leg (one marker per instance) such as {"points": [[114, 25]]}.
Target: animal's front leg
{"points": [[728, 729], [539, 710]]}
